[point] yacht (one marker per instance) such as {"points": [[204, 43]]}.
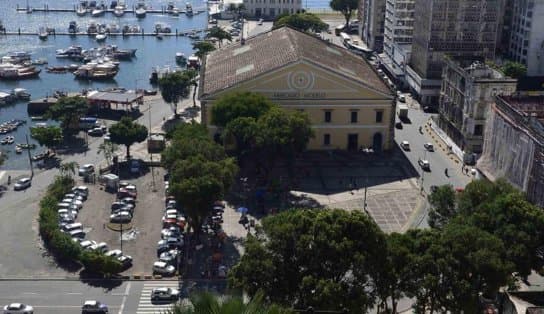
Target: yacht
{"points": [[17, 72], [81, 11], [72, 27], [17, 57], [101, 36], [99, 11], [180, 58], [113, 29], [72, 52], [42, 33], [188, 9], [162, 28], [141, 9], [95, 71], [92, 28], [120, 8]]}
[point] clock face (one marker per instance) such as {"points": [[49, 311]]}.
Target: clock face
{"points": [[301, 80]]}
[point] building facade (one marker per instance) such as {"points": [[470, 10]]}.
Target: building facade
{"points": [[515, 148], [527, 35], [271, 8], [468, 89], [398, 33], [371, 15], [348, 104], [465, 28]]}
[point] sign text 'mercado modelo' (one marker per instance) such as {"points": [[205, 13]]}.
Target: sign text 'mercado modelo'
{"points": [[298, 94]]}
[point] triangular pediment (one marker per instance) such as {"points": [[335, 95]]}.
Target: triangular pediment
{"points": [[306, 80]]}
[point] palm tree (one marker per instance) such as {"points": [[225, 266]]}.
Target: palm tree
{"points": [[107, 148], [219, 34], [207, 303], [68, 169]]}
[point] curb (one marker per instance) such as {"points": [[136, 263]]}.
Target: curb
{"points": [[120, 278]]}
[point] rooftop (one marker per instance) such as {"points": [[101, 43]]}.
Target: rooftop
{"points": [[120, 97], [233, 64], [528, 106]]}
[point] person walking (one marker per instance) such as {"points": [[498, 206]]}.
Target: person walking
{"points": [[9, 180], [446, 172]]}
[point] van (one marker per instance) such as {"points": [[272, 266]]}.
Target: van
{"points": [[78, 233], [70, 227]]}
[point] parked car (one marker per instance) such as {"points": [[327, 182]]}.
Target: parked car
{"points": [[164, 294], [121, 217], [95, 132], [78, 233], [424, 164], [114, 253], [93, 306], [163, 269], [86, 169], [18, 308], [118, 205], [22, 184], [129, 200], [62, 212], [125, 260], [402, 98], [134, 166], [405, 145], [429, 147], [81, 190], [169, 256], [398, 125], [87, 244], [75, 196], [72, 201]]}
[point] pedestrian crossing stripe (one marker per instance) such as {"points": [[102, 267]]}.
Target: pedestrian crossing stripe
{"points": [[145, 306]]}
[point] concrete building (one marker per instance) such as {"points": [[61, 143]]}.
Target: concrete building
{"points": [[348, 104], [514, 149], [527, 35], [464, 28], [271, 8], [398, 33], [468, 88], [371, 15]]}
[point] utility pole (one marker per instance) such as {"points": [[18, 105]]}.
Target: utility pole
{"points": [[29, 157], [121, 236]]}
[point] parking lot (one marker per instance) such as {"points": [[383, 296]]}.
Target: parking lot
{"points": [[140, 237]]}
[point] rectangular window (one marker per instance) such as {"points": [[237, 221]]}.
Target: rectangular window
{"points": [[326, 139], [328, 116], [379, 116], [354, 117], [478, 130]]}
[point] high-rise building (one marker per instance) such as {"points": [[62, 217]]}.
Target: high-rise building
{"points": [[271, 8], [371, 15], [466, 28], [526, 35], [397, 42]]}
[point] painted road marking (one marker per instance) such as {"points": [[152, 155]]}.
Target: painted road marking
{"points": [[127, 290], [145, 306]]}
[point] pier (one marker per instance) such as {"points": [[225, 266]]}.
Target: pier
{"points": [[142, 34], [162, 10]]}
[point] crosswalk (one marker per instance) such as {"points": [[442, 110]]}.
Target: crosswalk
{"points": [[145, 306]]}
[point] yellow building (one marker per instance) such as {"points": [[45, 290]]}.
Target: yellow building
{"points": [[348, 104]]}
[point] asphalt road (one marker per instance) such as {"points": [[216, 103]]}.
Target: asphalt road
{"points": [[63, 297], [21, 254]]}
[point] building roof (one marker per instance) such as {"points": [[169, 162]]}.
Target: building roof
{"points": [[233, 64], [114, 97]]}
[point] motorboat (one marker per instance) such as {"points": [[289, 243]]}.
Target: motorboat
{"points": [[72, 27], [141, 9], [21, 93], [101, 37], [193, 62], [175, 12], [94, 71], [188, 9], [39, 61], [159, 36], [97, 12], [118, 11], [180, 58], [26, 146], [42, 33], [81, 11], [113, 29], [6, 98], [17, 57], [72, 52], [121, 54], [92, 28], [162, 28], [17, 72], [8, 140]]}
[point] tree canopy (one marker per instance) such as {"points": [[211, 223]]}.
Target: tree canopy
{"points": [[514, 69], [68, 110], [346, 7], [49, 136], [175, 86], [127, 132], [302, 21], [305, 258], [203, 48], [442, 206], [219, 34], [239, 104]]}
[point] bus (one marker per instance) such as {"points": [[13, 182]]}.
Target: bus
{"points": [[346, 39], [87, 122]]}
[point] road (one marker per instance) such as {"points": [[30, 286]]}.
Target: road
{"points": [[63, 297], [21, 254]]}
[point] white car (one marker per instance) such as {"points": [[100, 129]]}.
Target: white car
{"points": [[95, 132], [81, 190], [429, 147], [164, 294], [94, 307], [18, 308], [22, 184], [86, 169], [424, 164], [405, 145], [87, 244], [163, 269], [121, 217], [114, 253]]}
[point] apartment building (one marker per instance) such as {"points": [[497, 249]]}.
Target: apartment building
{"points": [[465, 28], [468, 89], [527, 35], [271, 8], [371, 15]]}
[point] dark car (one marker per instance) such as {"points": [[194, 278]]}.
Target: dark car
{"points": [[398, 125], [434, 188]]}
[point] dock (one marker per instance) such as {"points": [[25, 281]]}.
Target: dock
{"points": [[161, 10], [141, 34]]}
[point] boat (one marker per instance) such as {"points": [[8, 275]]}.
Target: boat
{"points": [[73, 52], [120, 8], [39, 61], [113, 29], [101, 36], [97, 12], [159, 36], [42, 33], [18, 150], [96, 72], [162, 28], [81, 11], [8, 140], [25, 146], [193, 62], [21, 93], [174, 12], [6, 98], [92, 28], [188, 9], [194, 35], [141, 9], [17, 72], [17, 57], [72, 27], [180, 58]]}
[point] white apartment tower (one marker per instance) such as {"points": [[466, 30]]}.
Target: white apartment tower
{"points": [[399, 24], [527, 35]]}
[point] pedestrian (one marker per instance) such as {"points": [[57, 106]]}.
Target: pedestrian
{"points": [[446, 172], [9, 180]]}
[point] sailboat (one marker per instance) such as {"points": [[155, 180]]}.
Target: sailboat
{"points": [[42, 33]]}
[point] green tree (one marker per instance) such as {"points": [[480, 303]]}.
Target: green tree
{"points": [[443, 206], [127, 132], [209, 303], [219, 34], [302, 21], [305, 258], [175, 86], [244, 130], [239, 104], [107, 148], [68, 168], [514, 69], [197, 183], [203, 48], [68, 110], [346, 7], [49, 137]]}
